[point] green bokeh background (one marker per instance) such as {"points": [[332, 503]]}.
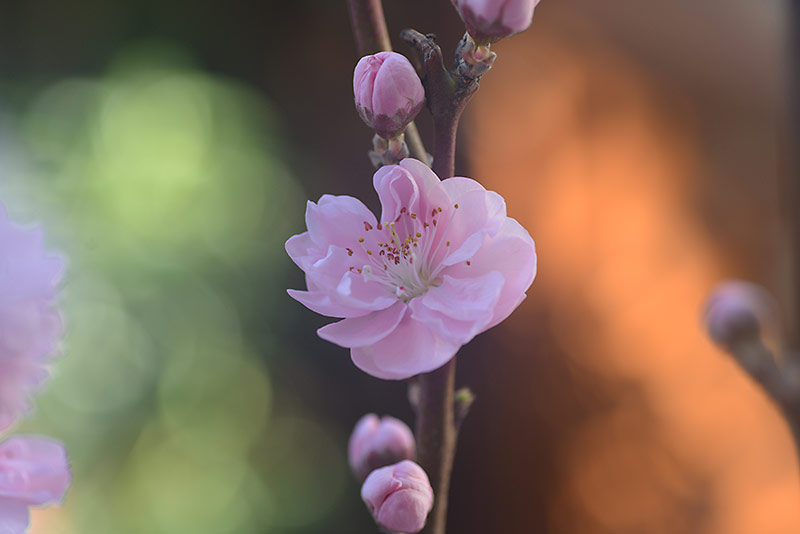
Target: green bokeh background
{"points": [[166, 188]]}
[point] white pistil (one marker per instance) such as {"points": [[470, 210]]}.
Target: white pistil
{"points": [[405, 265]]}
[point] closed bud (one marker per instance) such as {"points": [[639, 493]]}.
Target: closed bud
{"points": [[488, 21], [737, 311], [379, 442], [399, 497], [388, 92]]}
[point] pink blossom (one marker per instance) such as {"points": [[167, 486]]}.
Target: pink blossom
{"points": [[29, 326], [399, 497], [444, 265], [388, 92], [34, 471], [490, 20], [379, 442]]}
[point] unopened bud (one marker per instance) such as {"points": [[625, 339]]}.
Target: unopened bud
{"points": [[736, 312], [488, 21], [388, 92], [379, 442], [399, 497]]}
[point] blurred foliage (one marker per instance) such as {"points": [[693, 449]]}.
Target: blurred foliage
{"points": [[165, 188]]}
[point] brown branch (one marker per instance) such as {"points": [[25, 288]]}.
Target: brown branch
{"points": [[780, 382], [436, 438]]}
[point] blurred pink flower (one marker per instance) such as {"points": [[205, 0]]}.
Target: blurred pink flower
{"points": [[399, 497], [445, 264], [490, 20], [34, 471], [29, 326], [388, 92], [379, 442]]}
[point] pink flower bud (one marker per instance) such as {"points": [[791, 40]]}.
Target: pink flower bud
{"points": [[388, 92], [399, 497], [737, 311], [379, 442], [490, 20]]}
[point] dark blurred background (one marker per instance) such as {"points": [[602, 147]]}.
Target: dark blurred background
{"points": [[168, 148]]}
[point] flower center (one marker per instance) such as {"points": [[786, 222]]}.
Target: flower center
{"points": [[405, 254]]}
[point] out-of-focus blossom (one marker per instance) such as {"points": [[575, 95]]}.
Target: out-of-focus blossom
{"points": [[444, 265], [30, 328], [737, 311], [388, 92], [34, 471], [399, 497], [379, 442], [490, 20]]}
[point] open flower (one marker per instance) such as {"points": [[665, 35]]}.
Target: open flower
{"points": [[29, 327], [442, 265], [33, 472]]}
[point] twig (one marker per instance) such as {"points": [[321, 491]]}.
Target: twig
{"points": [[780, 382]]}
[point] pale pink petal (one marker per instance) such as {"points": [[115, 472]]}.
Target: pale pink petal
{"points": [[479, 213], [346, 286], [366, 362], [337, 220], [30, 327], [412, 348], [321, 303], [33, 470], [466, 299], [512, 253], [396, 189], [302, 250], [460, 308], [444, 325], [410, 185], [366, 330], [426, 179], [14, 516]]}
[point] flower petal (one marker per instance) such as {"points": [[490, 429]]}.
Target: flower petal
{"points": [[14, 516], [512, 253], [337, 220], [479, 213], [411, 185], [412, 348], [460, 308], [33, 470], [333, 275], [302, 250], [366, 330], [321, 303], [366, 362], [458, 331]]}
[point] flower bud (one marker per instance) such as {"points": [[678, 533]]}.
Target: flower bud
{"points": [[379, 442], [399, 497], [736, 311], [488, 21], [388, 92]]}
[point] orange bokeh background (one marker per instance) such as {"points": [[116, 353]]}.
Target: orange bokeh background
{"points": [[609, 168]]}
